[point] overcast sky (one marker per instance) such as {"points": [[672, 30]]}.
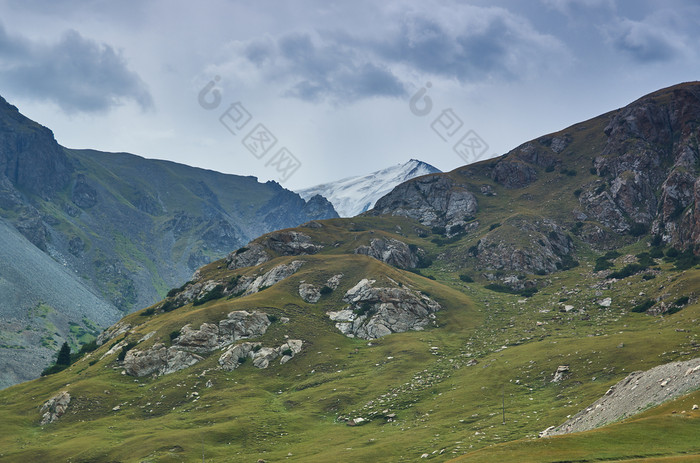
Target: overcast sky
{"points": [[332, 82]]}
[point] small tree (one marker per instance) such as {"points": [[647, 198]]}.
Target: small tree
{"points": [[63, 355]]}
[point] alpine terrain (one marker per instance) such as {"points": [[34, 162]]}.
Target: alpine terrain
{"points": [[541, 306], [353, 195], [122, 228]]}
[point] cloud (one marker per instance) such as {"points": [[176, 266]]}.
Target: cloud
{"points": [[648, 41], [471, 45], [576, 7], [76, 73]]}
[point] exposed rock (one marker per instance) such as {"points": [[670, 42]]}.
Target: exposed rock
{"points": [[607, 302], [561, 373], [273, 276], [236, 355], [434, 200], [84, 195], [240, 325], [112, 332], [249, 256], [376, 312], [203, 340], [290, 243], [513, 173], [637, 392], [55, 407], [261, 356], [390, 251], [334, 281], [309, 293], [158, 360], [525, 245]]}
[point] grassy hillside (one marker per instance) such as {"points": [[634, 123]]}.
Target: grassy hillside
{"points": [[552, 267]]}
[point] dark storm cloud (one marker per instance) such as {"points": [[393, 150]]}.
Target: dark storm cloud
{"points": [[76, 73], [484, 43]]}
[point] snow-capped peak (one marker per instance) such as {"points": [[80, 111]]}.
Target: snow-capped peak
{"points": [[354, 195]]}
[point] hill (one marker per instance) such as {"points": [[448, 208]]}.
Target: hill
{"points": [[353, 195], [126, 228], [462, 316]]}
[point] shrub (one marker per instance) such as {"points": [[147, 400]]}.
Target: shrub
{"points": [[672, 253], [169, 305], [686, 260], [466, 278], [643, 306], [601, 264], [681, 301], [363, 309], [125, 349], [656, 241], [645, 259], [494, 226], [148, 312], [638, 229], [325, 290], [656, 253], [174, 334], [648, 276], [272, 318], [627, 270], [215, 293], [438, 230], [499, 288], [88, 347], [567, 262], [287, 352], [242, 360], [257, 347], [593, 171], [549, 169], [578, 192]]}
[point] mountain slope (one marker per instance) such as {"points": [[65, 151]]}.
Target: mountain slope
{"points": [[354, 195], [127, 227], [41, 301], [465, 314]]}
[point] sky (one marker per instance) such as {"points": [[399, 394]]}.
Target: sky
{"points": [[304, 92]]}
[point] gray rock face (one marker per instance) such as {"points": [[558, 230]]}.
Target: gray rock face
{"points": [[290, 243], [261, 356], [273, 276], [637, 392], [334, 281], [390, 251], [513, 173], [241, 325], [55, 407], [547, 246], [377, 312], [433, 200], [112, 332], [158, 360], [161, 360], [249, 256], [309, 293]]}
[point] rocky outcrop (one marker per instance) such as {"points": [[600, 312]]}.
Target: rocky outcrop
{"points": [[273, 276], [250, 256], [637, 392], [334, 281], [376, 312], [158, 360], [55, 407], [83, 195], [513, 173], [284, 243], [434, 200], [236, 355], [525, 245], [390, 251], [309, 293], [112, 332], [161, 360]]}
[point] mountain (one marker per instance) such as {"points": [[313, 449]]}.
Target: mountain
{"points": [[465, 315], [125, 227], [353, 195], [42, 304]]}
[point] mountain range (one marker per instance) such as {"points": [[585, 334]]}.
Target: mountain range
{"points": [[354, 195], [125, 228], [486, 314]]}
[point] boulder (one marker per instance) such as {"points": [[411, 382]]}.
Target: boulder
{"points": [[158, 360], [241, 324], [273, 276], [249, 256], [235, 355], [390, 251], [334, 281], [55, 407], [309, 293], [203, 340], [561, 373], [377, 312]]}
